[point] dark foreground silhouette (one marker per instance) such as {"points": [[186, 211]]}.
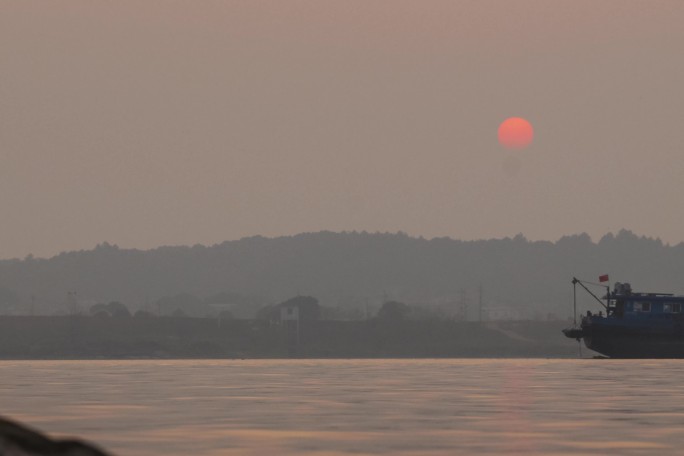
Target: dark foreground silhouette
{"points": [[19, 440]]}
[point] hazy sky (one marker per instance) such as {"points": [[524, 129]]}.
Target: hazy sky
{"points": [[145, 123]]}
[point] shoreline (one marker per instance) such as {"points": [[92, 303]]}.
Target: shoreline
{"points": [[130, 338]]}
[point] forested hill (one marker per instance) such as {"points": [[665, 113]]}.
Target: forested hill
{"points": [[349, 267]]}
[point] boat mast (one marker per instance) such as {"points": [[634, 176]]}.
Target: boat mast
{"points": [[574, 299]]}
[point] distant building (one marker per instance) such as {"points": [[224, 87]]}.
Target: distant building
{"points": [[300, 308], [289, 312]]}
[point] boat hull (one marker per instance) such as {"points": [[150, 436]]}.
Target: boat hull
{"points": [[627, 347], [663, 342]]}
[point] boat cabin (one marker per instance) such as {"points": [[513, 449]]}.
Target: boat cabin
{"points": [[622, 302]]}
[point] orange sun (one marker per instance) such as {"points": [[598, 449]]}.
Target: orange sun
{"points": [[515, 133]]}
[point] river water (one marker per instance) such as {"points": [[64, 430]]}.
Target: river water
{"points": [[345, 407]]}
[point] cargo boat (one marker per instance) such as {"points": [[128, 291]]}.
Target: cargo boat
{"points": [[635, 325]]}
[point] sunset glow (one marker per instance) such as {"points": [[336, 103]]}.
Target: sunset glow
{"points": [[515, 133]]}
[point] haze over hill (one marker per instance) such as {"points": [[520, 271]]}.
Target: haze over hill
{"points": [[173, 123], [352, 270]]}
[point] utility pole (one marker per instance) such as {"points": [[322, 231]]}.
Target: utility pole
{"points": [[464, 305], [72, 303], [480, 304]]}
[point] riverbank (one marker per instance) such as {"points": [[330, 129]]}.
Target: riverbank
{"points": [[81, 337]]}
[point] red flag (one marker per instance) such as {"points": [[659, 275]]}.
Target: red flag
{"points": [[603, 278]]}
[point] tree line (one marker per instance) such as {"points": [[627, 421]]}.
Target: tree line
{"points": [[349, 272]]}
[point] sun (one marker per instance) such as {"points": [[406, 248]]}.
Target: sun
{"points": [[515, 133]]}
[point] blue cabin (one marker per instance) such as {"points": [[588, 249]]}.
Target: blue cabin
{"points": [[623, 303], [645, 311]]}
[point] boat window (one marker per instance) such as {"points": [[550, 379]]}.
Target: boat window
{"points": [[667, 307], [642, 306], [677, 307]]}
